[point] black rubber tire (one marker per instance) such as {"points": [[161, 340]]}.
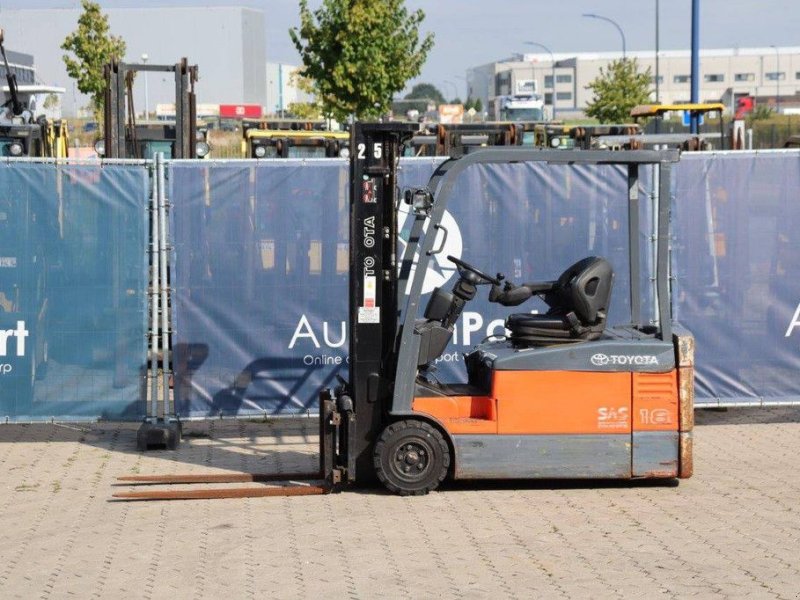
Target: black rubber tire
{"points": [[411, 457]]}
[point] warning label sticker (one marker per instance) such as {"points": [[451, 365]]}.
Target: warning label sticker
{"points": [[369, 314], [370, 287]]}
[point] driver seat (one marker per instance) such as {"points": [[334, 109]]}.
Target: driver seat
{"points": [[578, 307]]}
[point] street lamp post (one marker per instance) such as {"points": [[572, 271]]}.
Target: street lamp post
{"points": [[455, 89], [466, 86], [614, 23], [552, 73], [777, 79], [146, 99], [658, 74]]}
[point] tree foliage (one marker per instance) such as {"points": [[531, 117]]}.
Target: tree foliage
{"points": [[92, 46], [617, 89], [304, 110], [474, 103], [419, 98], [425, 91], [359, 53]]}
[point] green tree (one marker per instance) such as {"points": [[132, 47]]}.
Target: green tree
{"points": [[304, 110], [359, 53], [425, 91], [617, 89], [420, 96], [92, 46]]}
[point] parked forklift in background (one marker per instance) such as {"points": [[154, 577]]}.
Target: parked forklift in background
{"points": [[561, 395], [651, 116], [22, 132], [125, 138], [454, 139], [292, 138]]}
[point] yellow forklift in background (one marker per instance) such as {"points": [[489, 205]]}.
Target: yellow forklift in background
{"points": [[267, 143], [454, 139], [651, 114], [558, 136], [22, 133], [287, 138]]}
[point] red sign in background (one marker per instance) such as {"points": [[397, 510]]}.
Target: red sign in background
{"points": [[240, 111]]}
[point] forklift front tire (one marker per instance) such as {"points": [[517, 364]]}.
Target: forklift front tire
{"points": [[411, 457]]}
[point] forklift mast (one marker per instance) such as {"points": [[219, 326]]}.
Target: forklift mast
{"points": [[118, 135], [375, 152]]}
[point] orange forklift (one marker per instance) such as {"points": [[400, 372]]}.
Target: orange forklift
{"points": [[561, 395]]}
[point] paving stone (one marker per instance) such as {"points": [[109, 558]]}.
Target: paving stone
{"points": [[731, 531]]}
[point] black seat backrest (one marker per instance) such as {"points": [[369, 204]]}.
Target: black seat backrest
{"points": [[585, 289]]}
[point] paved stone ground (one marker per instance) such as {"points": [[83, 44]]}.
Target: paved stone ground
{"points": [[731, 531]]}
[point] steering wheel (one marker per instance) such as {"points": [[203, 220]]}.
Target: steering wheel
{"points": [[467, 267]]}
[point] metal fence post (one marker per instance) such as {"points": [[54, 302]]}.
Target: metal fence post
{"points": [[164, 430], [152, 412], [164, 287]]}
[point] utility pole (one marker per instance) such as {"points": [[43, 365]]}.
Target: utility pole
{"points": [[695, 63], [552, 73], [777, 79], [658, 101], [146, 96]]}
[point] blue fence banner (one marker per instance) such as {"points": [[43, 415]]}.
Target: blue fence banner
{"points": [[261, 266], [260, 284], [73, 286], [736, 263], [260, 261]]}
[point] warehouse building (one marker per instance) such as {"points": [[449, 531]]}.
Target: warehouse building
{"points": [[725, 75], [227, 43]]}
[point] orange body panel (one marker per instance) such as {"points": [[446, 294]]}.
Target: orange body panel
{"points": [[460, 414], [551, 402], [655, 401], [562, 402]]}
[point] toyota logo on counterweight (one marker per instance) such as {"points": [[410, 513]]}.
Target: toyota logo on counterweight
{"points": [[600, 359]]}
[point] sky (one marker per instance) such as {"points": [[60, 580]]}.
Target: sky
{"points": [[469, 33]]}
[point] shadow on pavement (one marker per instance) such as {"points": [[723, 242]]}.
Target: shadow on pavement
{"points": [[746, 415], [286, 445]]}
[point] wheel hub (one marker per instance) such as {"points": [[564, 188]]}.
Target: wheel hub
{"points": [[411, 458]]}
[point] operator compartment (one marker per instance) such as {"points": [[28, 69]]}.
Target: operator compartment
{"points": [[563, 394], [561, 376]]}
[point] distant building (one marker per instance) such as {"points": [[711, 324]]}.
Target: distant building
{"points": [[227, 43], [21, 65], [40, 100], [725, 75]]}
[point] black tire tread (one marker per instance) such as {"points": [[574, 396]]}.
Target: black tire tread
{"points": [[397, 428]]}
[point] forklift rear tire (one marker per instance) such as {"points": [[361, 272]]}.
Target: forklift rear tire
{"points": [[411, 457]]}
